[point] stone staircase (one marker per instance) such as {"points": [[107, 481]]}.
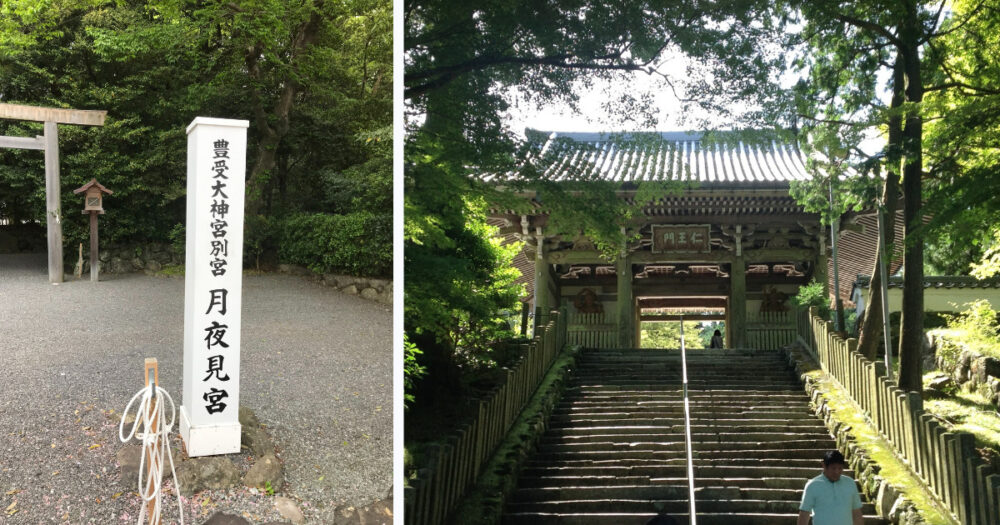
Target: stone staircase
{"points": [[614, 451]]}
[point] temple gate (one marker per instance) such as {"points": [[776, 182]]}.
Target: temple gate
{"points": [[735, 245]]}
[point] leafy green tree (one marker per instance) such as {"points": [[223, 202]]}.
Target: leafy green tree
{"points": [[656, 334], [989, 266], [844, 47], [707, 331], [963, 197]]}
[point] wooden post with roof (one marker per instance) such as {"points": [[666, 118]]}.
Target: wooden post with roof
{"points": [[93, 204], [753, 238], [49, 142]]}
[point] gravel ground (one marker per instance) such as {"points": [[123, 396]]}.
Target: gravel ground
{"points": [[316, 368]]}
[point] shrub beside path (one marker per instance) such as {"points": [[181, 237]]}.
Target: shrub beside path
{"points": [[316, 369]]}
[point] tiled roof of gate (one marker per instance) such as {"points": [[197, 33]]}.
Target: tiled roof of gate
{"points": [[665, 156]]}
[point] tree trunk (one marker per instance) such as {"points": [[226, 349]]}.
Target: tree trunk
{"points": [[273, 126], [912, 321], [870, 338]]}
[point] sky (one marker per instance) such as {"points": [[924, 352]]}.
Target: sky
{"points": [[592, 117]]}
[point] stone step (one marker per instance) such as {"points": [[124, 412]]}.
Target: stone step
{"points": [[696, 387], [700, 405], [760, 416], [565, 425], [664, 370], [731, 443], [641, 518], [628, 455], [716, 394], [675, 377], [674, 360], [700, 435], [699, 353], [698, 361], [713, 408], [614, 450], [719, 501], [697, 400], [733, 478], [676, 410], [663, 381], [743, 382], [748, 422], [704, 370], [676, 469], [586, 420], [657, 491], [698, 425], [700, 462]]}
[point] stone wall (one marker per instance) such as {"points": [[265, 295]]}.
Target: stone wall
{"points": [[154, 257], [125, 259], [971, 370], [378, 290]]}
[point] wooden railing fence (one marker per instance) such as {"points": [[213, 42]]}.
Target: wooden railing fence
{"points": [[455, 466], [592, 330], [770, 330], [946, 461]]}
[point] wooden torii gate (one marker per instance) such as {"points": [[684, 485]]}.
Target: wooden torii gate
{"points": [[49, 142]]}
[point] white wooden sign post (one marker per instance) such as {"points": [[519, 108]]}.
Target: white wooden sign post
{"points": [[213, 285]]}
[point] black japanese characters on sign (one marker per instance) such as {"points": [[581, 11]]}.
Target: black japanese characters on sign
{"points": [[214, 399], [218, 248], [688, 238]]}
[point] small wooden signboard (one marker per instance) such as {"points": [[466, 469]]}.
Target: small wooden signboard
{"points": [[682, 238]]}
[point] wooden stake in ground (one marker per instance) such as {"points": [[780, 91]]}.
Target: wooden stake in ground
{"points": [[78, 271], [152, 373]]}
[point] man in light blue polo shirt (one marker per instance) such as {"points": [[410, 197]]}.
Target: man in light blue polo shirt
{"points": [[831, 497]]}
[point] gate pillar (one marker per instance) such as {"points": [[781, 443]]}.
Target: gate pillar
{"points": [[738, 303], [626, 302]]}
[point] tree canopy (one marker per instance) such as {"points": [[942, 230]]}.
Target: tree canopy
{"points": [[927, 51]]}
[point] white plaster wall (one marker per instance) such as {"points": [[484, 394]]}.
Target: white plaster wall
{"points": [[940, 299]]}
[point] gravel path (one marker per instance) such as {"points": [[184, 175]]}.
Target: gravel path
{"points": [[316, 368]]}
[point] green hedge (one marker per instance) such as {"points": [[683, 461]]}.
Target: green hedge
{"points": [[357, 243]]}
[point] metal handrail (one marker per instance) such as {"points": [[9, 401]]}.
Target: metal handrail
{"points": [[693, 519]]}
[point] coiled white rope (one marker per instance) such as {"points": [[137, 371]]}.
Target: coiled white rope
{"points": [[149, 485]]}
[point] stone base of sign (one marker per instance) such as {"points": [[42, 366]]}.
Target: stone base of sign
{"points": [[265, 473], [211, 440], [260, 470], [197, 474]]}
